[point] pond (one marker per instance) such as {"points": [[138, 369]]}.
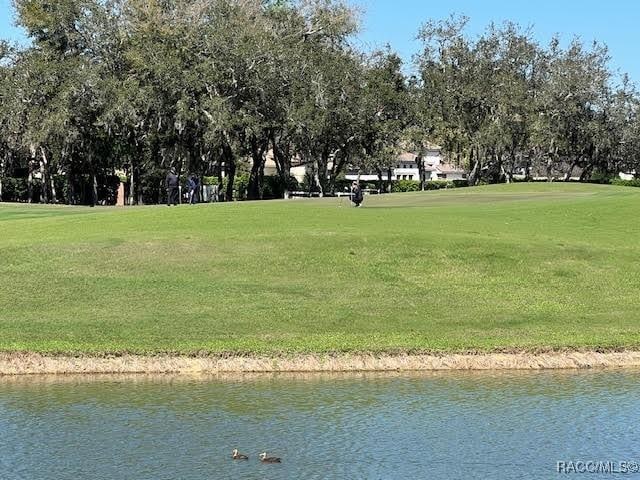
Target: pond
{"points": [[372, 426]]}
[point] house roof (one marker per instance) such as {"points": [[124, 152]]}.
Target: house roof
{"points": [[407, 157], [449, 168]]}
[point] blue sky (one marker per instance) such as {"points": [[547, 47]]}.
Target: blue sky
{"points": [[614, 22]]}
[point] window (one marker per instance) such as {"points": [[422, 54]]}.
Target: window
{"points": [[410, 177]]}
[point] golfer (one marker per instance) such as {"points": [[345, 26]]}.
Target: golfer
{"points": [[357, 197]]}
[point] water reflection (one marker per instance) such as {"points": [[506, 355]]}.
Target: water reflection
{"points": [[367, 425]]}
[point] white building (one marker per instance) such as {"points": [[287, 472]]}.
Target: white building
{"points": [[406, 168]]}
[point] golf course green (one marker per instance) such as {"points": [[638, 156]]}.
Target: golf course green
{"points": [[495, 268]]}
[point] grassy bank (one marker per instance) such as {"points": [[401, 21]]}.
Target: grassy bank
{"points": [[501, 267]]}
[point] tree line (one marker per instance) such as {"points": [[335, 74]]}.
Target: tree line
{"points": [[123, 90]]}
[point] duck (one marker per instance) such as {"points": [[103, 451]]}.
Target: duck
{"points": [[238, 456], [265, 459]]}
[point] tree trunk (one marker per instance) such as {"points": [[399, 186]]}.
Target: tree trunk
{"points": [[501, 175], [477, 166], [505, 175], [44, 197], [139, 176], [336, 169], [30, 183], [230, 166], [473, 176], [132, 185], [94, 189], [567, 177], [54, 194], [257, 170], [586, 173], [71, 196], [527, 169], [231, 177], [2, 163], [47, 177], [380, 182], [316, 177], [219, 174], [283, 162], [421, 172], [550, 169]]}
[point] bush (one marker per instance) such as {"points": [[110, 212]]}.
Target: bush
{"points": [[626, 183], [405, 186], [274, 187], [240, 186], [460, 183], [14, 189], [152, 186], [602, 178], [414, 185], [438, 185], [271, 188], [62, 188], [108, 189]]}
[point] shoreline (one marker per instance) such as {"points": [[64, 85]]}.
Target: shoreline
{"points": [[19, 364]]}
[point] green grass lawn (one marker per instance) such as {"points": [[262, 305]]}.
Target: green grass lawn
{"points": [[500, 267]]}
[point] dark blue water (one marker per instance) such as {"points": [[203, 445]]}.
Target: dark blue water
{"points": [[369, 426]]}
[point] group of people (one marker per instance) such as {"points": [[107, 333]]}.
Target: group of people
{"points": [[193, 187], [173, 188]]}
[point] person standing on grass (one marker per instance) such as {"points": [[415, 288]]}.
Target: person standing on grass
{"points": [[172, 183], [357, 196], [192, 185]]}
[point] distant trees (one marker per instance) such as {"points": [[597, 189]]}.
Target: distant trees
{"points": [[502, 103], [112, 89]]}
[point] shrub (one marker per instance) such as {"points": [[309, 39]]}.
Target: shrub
{"points": [[342, 185], [152, 186], [460, 183], [414, 185], [405, 186], [14, 189], [602, 178], [438, 185], [240, 186], [274, 187], [626, 183]]}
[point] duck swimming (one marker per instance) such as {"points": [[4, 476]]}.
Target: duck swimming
{"points": [[238, 456], [265, 459]]}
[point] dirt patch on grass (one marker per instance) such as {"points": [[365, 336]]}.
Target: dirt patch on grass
{"points": [[32, 364]]}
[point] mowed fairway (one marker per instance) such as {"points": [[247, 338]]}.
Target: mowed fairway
{"points": [[503, 267]]}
